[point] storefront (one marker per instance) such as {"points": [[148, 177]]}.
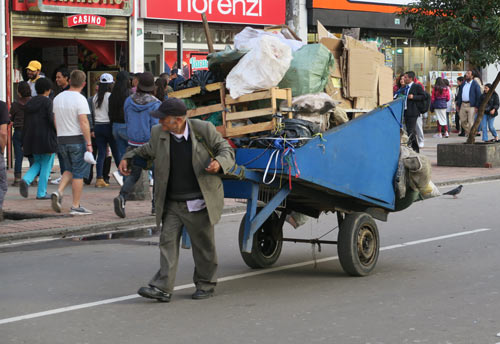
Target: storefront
{"points": [[91, 36], [378, 21], [173, 28]]}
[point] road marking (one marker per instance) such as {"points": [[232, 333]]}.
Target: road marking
{"points": [[231, 278]]}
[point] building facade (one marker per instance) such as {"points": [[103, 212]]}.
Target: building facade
{"points": [[171, 30]]}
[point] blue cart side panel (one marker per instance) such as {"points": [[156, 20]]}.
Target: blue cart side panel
{"points": [[358, 158]]}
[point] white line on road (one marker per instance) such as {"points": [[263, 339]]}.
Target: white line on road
{"points": [[230, 278]]}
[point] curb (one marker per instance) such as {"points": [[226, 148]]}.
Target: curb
{"points": [[138, 225], [147, 224], [468, 180]]}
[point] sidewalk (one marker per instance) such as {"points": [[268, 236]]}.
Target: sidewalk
{"points": [[44, 222]]}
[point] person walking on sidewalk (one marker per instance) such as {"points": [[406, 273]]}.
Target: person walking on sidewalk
{"points": [[102, 127], [119, 94], [188, 156], [4, 122], [458, 126], [39, 139], [439, 99], [17, 118], [73, 136], [415, 93], [490, 112], [138, 108], [468, 97]]}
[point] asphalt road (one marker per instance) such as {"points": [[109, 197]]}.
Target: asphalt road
{"points": [[437, 281]]}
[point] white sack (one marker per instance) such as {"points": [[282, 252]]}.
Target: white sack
{"points": [[263, 67], [246, 39]]}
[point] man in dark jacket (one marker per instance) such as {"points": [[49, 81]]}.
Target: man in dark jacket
{"points": [[39, 139], [415, 93], [468, 101], [188, 156]]}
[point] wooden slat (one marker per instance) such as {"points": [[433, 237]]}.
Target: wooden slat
{"points": [[231, 116], [248, 97], [282, 93], [205, 110], [189, 92], [249, 129]]}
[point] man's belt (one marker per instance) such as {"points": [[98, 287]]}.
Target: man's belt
{"points": [[466, 102]]}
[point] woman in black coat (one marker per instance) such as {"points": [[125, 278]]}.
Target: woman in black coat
{"points": [[490, 112], [39, 138]]}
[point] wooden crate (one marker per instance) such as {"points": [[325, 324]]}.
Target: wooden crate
{"points": [[232, 114], [215, 91]]}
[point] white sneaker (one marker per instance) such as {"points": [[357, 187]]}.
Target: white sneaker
{"points": [[80, 211], [55, 181], [118, 177], [421, 145], [438, 136], [446, 134]]}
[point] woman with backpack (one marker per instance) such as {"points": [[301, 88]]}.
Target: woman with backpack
{"points": [[490, 112], [439, 99]]}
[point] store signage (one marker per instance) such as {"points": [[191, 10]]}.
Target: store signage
{"points": [[263, 12], [85, 19], [98, 7], [385, 6], [198, 61]]}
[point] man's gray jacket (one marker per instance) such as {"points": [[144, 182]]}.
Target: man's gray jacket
{"points": [[204, 138]]}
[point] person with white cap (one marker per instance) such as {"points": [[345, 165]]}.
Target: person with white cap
{"points": [[33, 71], [102, 127]]}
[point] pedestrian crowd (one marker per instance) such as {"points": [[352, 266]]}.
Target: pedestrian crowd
{"points": [[443, 101], [50, 120]]}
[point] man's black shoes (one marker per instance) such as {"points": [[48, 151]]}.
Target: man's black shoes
{"points": [[119, 203], [202, 294], [154, 293]]}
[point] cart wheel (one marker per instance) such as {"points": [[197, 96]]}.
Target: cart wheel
{"points": [[267, 243], [358, 244]]}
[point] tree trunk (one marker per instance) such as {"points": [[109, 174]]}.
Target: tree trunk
{"points": [[472, 134]]}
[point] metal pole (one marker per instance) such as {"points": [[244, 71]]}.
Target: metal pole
{"points": [[180, 52], [133, 38]]}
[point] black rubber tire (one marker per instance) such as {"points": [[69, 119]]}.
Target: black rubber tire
{"points": [[267, 243], [358, 244]]}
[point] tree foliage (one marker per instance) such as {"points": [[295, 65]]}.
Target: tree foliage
{"points": [[460, 29]]}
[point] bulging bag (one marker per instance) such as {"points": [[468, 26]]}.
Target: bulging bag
{"points": [[263, 67]]}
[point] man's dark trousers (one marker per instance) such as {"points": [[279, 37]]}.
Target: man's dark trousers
{"points": [[411, 125], [201, 233]]}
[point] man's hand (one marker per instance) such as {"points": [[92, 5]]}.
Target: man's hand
{"points": [[214, 167], [492, 112], [410, 96], [123, 168]]}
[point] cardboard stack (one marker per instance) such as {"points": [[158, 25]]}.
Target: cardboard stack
{"points": [[359, 80]]}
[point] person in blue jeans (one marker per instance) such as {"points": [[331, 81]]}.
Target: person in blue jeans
{"points": [[102, 127], [119, 94], [39, 139], [17, 118], [490, 112], [137, 109]]}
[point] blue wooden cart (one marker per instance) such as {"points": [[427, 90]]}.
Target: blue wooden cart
{"points": [[349, 170]]}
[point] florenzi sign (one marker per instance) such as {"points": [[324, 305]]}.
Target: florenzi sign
{"points": [[97, 7], [264, 12], [85, 19]]}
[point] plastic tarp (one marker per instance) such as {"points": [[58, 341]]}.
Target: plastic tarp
{"points": [[263, 67], [309, 70], [245, 39]]}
